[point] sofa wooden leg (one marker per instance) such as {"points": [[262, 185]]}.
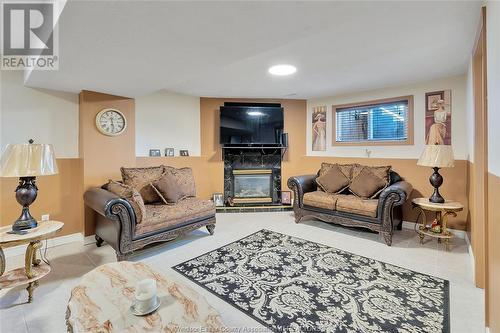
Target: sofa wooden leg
{"points": [[211, 229], [121, 256], [387, 238], [98, 241]]}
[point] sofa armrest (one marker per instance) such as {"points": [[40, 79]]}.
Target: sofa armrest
{"points": [[300, 185], [394, 195], [399, 191], [102, 201]]}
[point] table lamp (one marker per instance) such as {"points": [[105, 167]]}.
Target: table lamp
{"points": [[436, 157], [27, 161]]}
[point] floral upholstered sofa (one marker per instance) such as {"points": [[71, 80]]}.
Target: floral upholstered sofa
{"points": [[352, 195], [149, 205]]}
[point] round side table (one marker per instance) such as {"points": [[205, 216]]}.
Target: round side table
{"points": [[33, 270], [442, 210]]}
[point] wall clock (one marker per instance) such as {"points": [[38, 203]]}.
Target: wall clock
{"points": [[111, 122]]}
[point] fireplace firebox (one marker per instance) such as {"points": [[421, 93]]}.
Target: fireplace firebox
{"points": [[252, 186]]}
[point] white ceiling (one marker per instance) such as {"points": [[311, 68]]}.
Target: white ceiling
{"points": [[207, 48]]}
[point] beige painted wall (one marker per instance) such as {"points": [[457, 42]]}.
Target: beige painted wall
{"points": [[47, 116], [493, 232], [167, 120], [457, 85]]}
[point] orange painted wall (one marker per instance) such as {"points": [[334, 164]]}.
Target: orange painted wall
{"points": [[59, 195], [103, 155]]}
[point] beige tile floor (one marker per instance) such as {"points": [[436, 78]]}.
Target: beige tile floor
{"points": [[70, 261]]}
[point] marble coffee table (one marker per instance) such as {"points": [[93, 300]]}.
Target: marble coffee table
{"points": [[101, 303]]}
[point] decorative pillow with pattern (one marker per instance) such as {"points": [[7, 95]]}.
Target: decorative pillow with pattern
{"points": [[345, 168], [368, 182], [141, 179], [131, 195], [176, 184], [333, 180]]}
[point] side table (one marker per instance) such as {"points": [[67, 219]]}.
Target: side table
{"points": [[33, 270], [442, 210]]}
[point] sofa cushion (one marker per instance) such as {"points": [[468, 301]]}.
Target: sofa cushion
{"points": [[320, 199], [352, 204], [168, 216], [131, 195], [333, 180], [366, 185], [140, 179], [345, 168], [175, 184]]}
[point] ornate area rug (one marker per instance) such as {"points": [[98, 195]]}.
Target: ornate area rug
{"points": [[290, 284]]}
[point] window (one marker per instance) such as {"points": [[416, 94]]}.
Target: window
{"points": [[381, 122]]}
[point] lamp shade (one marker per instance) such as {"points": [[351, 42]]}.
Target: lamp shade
{"points": [[440, 156], [28, 160]]}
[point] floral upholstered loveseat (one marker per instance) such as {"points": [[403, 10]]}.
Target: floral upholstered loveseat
{"points": [[149, 205]]}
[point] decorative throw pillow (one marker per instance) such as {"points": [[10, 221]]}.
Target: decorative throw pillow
{"points": [[333, 181], [366, 184], [131, 195], [176, 184], [140, 179], [345, 168], [379, 171]]}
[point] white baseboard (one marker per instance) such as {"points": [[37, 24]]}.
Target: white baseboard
{"points": [[89, 240], [457, 233], [56, 241], [487, 330]]}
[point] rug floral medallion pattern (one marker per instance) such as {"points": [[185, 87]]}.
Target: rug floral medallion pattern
{"points": [[290, 284]]}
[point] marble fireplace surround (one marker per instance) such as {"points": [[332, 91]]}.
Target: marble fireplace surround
{"points": [[252, 159]]}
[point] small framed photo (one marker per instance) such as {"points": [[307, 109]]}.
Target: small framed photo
{"points": [[218, 199], [184, 152], [286, 197], [169, 151], [155, 152]]}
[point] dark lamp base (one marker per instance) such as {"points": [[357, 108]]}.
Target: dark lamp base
{"points": [[436, 181], [26, 193]]}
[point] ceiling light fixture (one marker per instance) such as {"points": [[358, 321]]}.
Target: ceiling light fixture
{"points": [[282, 70]]}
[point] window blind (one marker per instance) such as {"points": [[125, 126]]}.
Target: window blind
{"points": [[377, 122]]}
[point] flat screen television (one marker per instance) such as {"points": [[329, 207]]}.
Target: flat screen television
{"points": [[255, 124]]}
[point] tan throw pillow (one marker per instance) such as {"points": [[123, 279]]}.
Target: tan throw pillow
{"points": [[345, 168], [176, 184], [379, 171], [367, 184], [140, 179], [131, 195], [333, 181]]}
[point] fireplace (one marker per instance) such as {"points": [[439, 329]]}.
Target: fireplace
{"points": [[252, 176], [252, 186]]}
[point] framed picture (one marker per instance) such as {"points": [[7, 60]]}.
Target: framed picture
{"points": [[286, 197], [169, 151], [155, 152], [319, 128], [184, 152], [218, 199], [438, 118]]}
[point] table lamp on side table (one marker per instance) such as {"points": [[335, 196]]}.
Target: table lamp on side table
{"points": [[436, 156], [27, 161]]}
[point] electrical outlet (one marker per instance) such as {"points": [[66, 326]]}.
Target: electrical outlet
{"points": [[45, 217]]}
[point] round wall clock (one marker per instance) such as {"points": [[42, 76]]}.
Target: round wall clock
{"points": [[111, 122]]}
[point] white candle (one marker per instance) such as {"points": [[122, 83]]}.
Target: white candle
{"points": [[145, 289]]}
